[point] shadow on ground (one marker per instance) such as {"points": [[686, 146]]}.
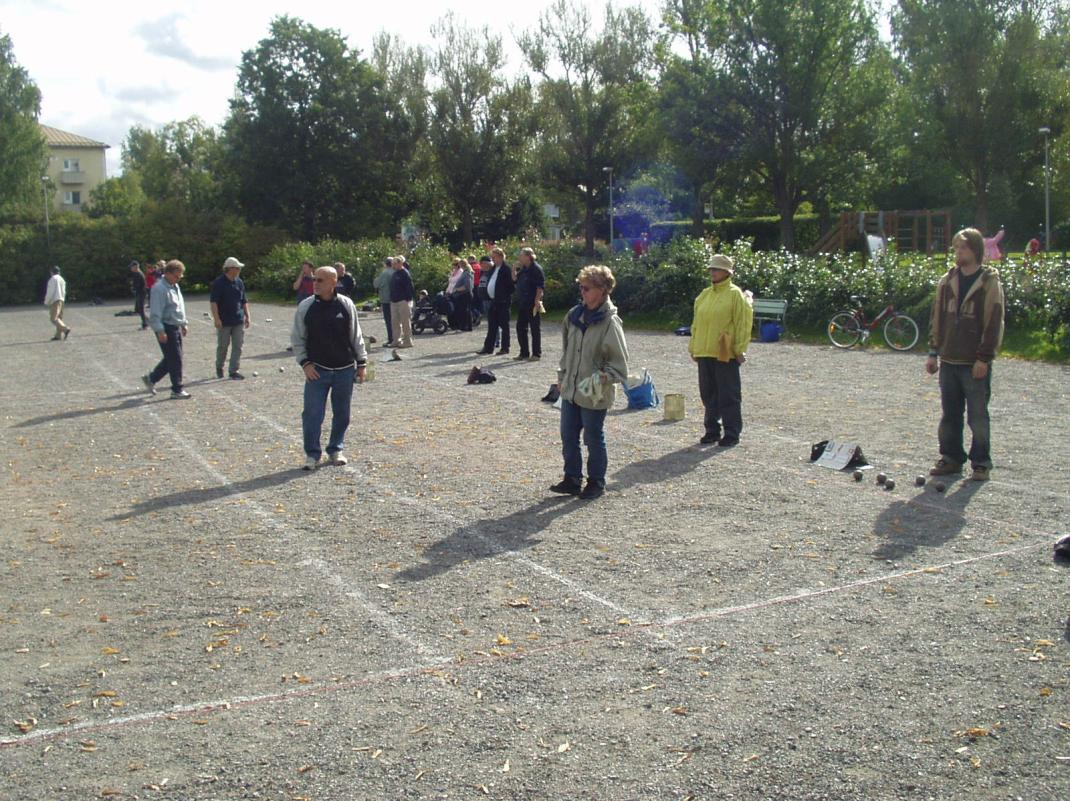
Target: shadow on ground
{"points": [[927, 521], [489, 537], [667, 467], [132, 401], [193, 497]]}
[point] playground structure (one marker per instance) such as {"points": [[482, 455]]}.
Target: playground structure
{"points": [[925, 231]]}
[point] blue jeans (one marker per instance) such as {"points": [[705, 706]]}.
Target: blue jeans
{"points": [[959, 391], [339, 383], [575, 418]]}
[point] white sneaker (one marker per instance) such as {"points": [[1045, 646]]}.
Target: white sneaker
{"points": [[338, 458], [311, 463], [180, 395]]}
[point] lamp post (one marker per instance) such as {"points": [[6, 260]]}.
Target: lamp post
{"points": [[610, 171], [48, 231], [1047, 191]]}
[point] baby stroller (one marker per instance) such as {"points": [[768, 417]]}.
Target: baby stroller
{"points": [[429, 313]]}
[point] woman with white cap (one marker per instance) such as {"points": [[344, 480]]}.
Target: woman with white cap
{"points": [[720, 334]]}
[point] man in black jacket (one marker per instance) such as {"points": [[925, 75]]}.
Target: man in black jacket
{"points": [[328, 344], [137, 284], [530, 283], [500, 287], [402, 293]]}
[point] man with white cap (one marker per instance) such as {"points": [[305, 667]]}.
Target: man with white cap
{"points": [[720, 334], [230, 312]]}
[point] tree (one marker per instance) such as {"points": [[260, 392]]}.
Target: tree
{"points": [[799, 92], [117, 197], [181, 162], [479, 124], [22, 148], [312, 135], [699, 129], [592, 100], [981, 81]]}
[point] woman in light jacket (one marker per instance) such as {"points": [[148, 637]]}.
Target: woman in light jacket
{"points": [[720, 334], [594, 356]]}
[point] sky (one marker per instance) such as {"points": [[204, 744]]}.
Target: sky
{"points": [[103, 68]]}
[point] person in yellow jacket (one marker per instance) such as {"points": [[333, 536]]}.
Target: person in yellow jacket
{"points": [[720, 334]]}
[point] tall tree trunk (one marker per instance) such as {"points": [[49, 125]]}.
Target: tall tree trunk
{"points": [[785, 204], [588, 223], [467, 226], [698, 213]]}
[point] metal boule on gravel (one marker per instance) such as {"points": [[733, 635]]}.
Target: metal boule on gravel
{"points": [[881, 478], [282, 369], [939, 486], [919, 481], [889, 484], [857, 475], [255, 374]]}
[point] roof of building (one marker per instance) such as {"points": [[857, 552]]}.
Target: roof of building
{"points": [[57, 138]]}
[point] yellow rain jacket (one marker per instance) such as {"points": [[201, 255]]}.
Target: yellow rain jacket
{"points": [[722, 323]]}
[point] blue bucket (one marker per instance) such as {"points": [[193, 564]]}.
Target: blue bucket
{"points": [[770, 331]]}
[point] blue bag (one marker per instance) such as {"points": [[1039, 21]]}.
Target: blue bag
{"points": [[642, 395]]}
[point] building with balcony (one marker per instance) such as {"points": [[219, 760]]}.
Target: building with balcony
{"points": [[75, 166]]}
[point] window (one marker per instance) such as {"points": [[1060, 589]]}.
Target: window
{"points": [[72, 198], [71, 165]]}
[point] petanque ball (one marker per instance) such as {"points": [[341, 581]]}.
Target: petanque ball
{"points": [[919, 481], [282, 369], [857, 475], [889, 484], [939, 486], [255, 374], [881, 478]]}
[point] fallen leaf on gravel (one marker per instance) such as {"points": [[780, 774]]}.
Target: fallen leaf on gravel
{"points": [[106, 694], [990, 601], [108, 650], [200, 722], [69, 704], [110, 792], [751, 758], [383, 586], [975, 731], [624, 622], [378, 752], [1064, 725], [1045, 692], [25, 725], [505, 767], [679, 710], [1044, 644], [88, 745], [975, 761], [302, 723], [518, 603], [419, 775], [565, 746], [304, 769], [501, 639], [172, 633], [418, 729], [483, 788]]}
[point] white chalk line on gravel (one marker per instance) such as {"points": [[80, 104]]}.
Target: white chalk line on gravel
{"points": [[669, 622], [209, 707], [378, 615]]}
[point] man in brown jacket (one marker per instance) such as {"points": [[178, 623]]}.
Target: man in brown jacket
{"points": [[965, 333]]}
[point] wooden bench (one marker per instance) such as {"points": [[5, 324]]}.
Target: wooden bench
{"points": [[769, 309]]}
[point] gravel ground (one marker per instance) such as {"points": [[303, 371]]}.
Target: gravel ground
{"points": [[185, 615]]}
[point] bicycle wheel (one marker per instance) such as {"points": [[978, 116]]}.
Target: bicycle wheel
{"points": [[900, 332], [844, 330]]}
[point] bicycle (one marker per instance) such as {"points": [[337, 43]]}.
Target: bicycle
{"points": [[848, 327]]}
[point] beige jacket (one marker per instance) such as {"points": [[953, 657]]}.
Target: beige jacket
{"points": [[599, 349]]}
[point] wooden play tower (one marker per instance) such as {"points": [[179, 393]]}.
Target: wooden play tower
{"points": [[926, 231]]}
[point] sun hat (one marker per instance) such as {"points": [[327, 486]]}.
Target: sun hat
{"points": [[722, 262]]}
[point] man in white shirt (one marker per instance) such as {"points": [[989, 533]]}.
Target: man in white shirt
{"points": [[54, 297]]}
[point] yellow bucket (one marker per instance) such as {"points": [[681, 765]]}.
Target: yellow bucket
{"points": [[674, 406]]}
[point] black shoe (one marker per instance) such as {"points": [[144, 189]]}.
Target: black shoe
{"points": [[592, 490], [219, 372], [709, 439], [523, 357], [567, 486], [502, 352], [728, 442], [484, 352], [66, 333], [236, 376]]}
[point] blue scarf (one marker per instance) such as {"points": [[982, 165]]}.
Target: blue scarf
{"points": [[583, 318]]}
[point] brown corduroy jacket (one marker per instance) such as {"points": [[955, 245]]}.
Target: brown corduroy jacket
{"points": [[972, 331]]}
